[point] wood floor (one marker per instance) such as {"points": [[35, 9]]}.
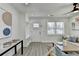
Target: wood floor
{"points": [[36, 49]]}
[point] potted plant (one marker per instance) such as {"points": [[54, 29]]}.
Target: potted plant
{"points": [[64, 40]]}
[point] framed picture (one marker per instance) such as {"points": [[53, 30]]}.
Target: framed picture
{"points": [[75, 24]]}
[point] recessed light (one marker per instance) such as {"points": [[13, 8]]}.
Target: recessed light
{"points": [[50, 15], [26, 3]]}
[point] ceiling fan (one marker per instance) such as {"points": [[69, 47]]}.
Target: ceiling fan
{"points": [[75, 8]]}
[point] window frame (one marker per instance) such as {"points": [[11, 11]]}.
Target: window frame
{"points": [[55, 28]]}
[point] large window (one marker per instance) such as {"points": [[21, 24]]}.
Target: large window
{"points": [[55, 28]]}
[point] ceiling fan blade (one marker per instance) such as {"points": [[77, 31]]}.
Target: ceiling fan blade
{"points": [[74, 8], [68, 12]]}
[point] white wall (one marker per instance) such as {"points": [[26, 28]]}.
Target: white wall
{"points": [[27, 40], [24, 28], [15, 24], [15, 19], [71, 19], [44, 37]]}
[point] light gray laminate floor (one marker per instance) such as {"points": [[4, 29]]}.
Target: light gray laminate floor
{"points": [[35, 49]]}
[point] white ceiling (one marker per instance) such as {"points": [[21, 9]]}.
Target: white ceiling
{"points": [[21, 7], [44, 9]]}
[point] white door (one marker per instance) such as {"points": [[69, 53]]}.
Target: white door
{"points": [[36, 30]]}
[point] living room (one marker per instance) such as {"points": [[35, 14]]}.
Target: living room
{"points": [[41, 27]]}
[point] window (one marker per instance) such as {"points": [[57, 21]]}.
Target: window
{"points": [[55, 28], [36, 25], [59, 27], [51, 27]]}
